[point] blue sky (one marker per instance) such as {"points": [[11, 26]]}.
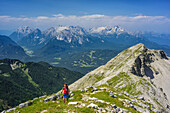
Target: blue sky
{"points": [[26, 13]]}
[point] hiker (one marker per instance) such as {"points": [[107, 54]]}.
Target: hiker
{"points": [[65, 92]]}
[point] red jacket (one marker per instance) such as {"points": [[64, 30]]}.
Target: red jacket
{"points": [[65, 91]]}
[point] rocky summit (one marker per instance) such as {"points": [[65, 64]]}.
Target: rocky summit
{"points": [[136, 80], [139, 71]]}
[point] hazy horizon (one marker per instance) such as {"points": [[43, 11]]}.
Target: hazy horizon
{"points": [[141, 15]]}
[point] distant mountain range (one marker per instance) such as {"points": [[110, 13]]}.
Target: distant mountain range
{"points": [[71, 34], [63, 41]]}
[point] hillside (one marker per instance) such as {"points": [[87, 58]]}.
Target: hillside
{"points": [[9, 49], [136, 80], [138, 71], [23, 81]]}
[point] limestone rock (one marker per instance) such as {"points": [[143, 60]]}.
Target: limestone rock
{"points": [[25, 104], [72, 103], [92, 106]]}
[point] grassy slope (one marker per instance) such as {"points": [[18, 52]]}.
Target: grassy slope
{"points": [[58, 106], [31, 80]]}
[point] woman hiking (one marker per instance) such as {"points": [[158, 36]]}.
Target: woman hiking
{"points": [[65, 92]]}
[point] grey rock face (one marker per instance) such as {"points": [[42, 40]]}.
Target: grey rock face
{"points": [[141, 67], [163, 55]]}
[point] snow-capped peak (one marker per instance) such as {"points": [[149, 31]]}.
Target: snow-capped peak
{"points": [[107, 30], [98, 29], [24, 30], [66, 33], [76, 30], [61, 28]]}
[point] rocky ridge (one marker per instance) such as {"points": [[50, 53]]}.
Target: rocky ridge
{"points": [[137, 70]]}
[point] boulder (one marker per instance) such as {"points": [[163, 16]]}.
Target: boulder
{"points": [[114, 106], [81, 90], [72, 95], [72, 103], [42, 96], [85, 89], [117, 109], [3, 111], [111, 92], [83, 105], [101, 101], [12, 109], [140, 109], [113, 96], [102, 88], [95, 89], [92, 106], [35, 98], [99, 111], [108, 103], [141, 97], [127, 94], [142, 104], [157, 111], [25, 104], [93, 98], [52, 98], [44, 111], [129, 102]]}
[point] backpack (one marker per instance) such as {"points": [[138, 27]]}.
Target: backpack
{"points": [[65, 91]]}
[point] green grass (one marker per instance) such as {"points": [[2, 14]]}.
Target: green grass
{"points": [[91, 55], [28, 52], [130, 85], [88, 62], [55, 63], [57, 58], [56, 106], [77, 95], [30, 79], [82, 63], [105, 96]]}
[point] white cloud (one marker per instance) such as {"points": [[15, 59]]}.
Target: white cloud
{"points": [[92, 16], [140, 22], [42, 17]]}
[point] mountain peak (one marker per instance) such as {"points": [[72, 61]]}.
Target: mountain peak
{"points": [[136, 65], [24, 30], [140, 47], [107, 30], [37, 30]]}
